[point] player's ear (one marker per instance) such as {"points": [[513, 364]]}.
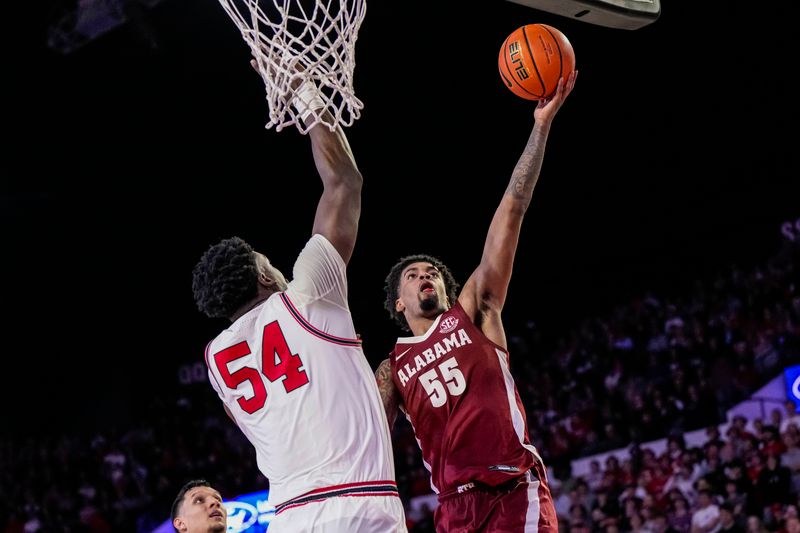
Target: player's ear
{"points": [[179, 524], [398, 306], [265, 280]]}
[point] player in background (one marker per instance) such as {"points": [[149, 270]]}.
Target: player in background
{"points": [[198, 509], [452, 377], [290, 369]]}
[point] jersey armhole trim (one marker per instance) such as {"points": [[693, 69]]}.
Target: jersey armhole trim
{"points": [[205, 356], [306, 325]]}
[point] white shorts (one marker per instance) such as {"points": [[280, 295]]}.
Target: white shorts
{"points": [[343, 514]]}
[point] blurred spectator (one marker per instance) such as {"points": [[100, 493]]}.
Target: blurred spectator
{"points": [[683, 480], [680, 516], [791, 457], [734, 499], [706, 518], [791, 416], [727, 523], [774, 482], [755, 525]]}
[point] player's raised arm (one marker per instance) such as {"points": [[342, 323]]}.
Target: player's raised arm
{"points": [[340, 205], [484, 293]]}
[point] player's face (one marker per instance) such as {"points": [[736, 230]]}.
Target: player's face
{"points": [[422, 291], [265, 268], [202, 512]]}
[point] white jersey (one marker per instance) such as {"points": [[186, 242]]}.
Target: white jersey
{"points": [[294, 376]]}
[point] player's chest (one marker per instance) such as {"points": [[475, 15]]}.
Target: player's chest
{"points": [[435, 372]]}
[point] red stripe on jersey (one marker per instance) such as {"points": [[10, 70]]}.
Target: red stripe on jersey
{"points": [[314, 331], [346, 486], [362, 495], [363, 488]]}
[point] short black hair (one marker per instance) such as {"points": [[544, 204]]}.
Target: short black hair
{"points": [[225, 278], [393, 284], [176, 505]]}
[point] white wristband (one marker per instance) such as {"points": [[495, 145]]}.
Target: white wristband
{"points": [[307, 99]]}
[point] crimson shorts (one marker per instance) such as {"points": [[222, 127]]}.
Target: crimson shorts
{"points": [[521, 506]]}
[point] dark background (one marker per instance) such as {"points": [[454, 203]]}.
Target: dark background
{"points": [[674, 158]]}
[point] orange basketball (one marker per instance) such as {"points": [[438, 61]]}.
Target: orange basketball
{"points": [[533, 58]]}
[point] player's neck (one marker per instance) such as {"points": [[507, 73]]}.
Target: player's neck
{"points": [[262, 296], [420, 325]]}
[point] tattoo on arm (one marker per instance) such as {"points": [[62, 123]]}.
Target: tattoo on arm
{"points": [[526, 172], [389, 394]]}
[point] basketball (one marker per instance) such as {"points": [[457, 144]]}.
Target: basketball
{"points": [[533, 58]]}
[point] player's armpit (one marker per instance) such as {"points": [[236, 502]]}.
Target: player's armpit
{"points": [[389, 393], [228, 412]]}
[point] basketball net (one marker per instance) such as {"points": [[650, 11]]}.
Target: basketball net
{"points": [[304, 51]]}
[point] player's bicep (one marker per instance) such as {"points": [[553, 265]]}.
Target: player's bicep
{"points": [[339, 206], [337, 218]]}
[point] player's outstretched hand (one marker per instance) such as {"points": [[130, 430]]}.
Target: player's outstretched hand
{"points": [[547, 108]]}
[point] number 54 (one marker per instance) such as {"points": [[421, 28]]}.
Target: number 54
{"points": [[452, 377]]}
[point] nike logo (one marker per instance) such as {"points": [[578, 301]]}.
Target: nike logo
{"points": [[397, 357]]}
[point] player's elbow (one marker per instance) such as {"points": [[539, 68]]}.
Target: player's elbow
{"points": [[516, 204], [347, 180], [354, 179]]}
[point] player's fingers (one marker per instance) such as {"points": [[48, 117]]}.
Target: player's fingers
{"points": [[559, 92], [571, 81]]}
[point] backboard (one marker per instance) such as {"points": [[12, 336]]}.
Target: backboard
{"points": [[623, 14]]}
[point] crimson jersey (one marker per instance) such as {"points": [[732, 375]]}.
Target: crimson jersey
{"points": [[461, 399]]}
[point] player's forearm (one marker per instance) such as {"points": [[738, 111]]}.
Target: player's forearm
{"points": [[339, 206], [388, 391], [334, 159], [493, 275], [526, 172]]}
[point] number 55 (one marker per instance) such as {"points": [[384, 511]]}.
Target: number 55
{"points": [[453, 378]]}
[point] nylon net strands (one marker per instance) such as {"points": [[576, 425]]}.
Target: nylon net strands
{"points": [[305, 53]]}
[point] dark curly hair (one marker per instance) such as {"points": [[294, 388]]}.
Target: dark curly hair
{"points": [[393, 284], [176, 505], [225, 278]]}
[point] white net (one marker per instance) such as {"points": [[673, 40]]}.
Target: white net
{"points": [[299, 41]]}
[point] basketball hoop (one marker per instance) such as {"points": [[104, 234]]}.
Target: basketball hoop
{"points": [[297, 43]]}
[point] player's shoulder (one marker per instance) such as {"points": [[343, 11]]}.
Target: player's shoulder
{"points": [[220, 342], [320, 244]]}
